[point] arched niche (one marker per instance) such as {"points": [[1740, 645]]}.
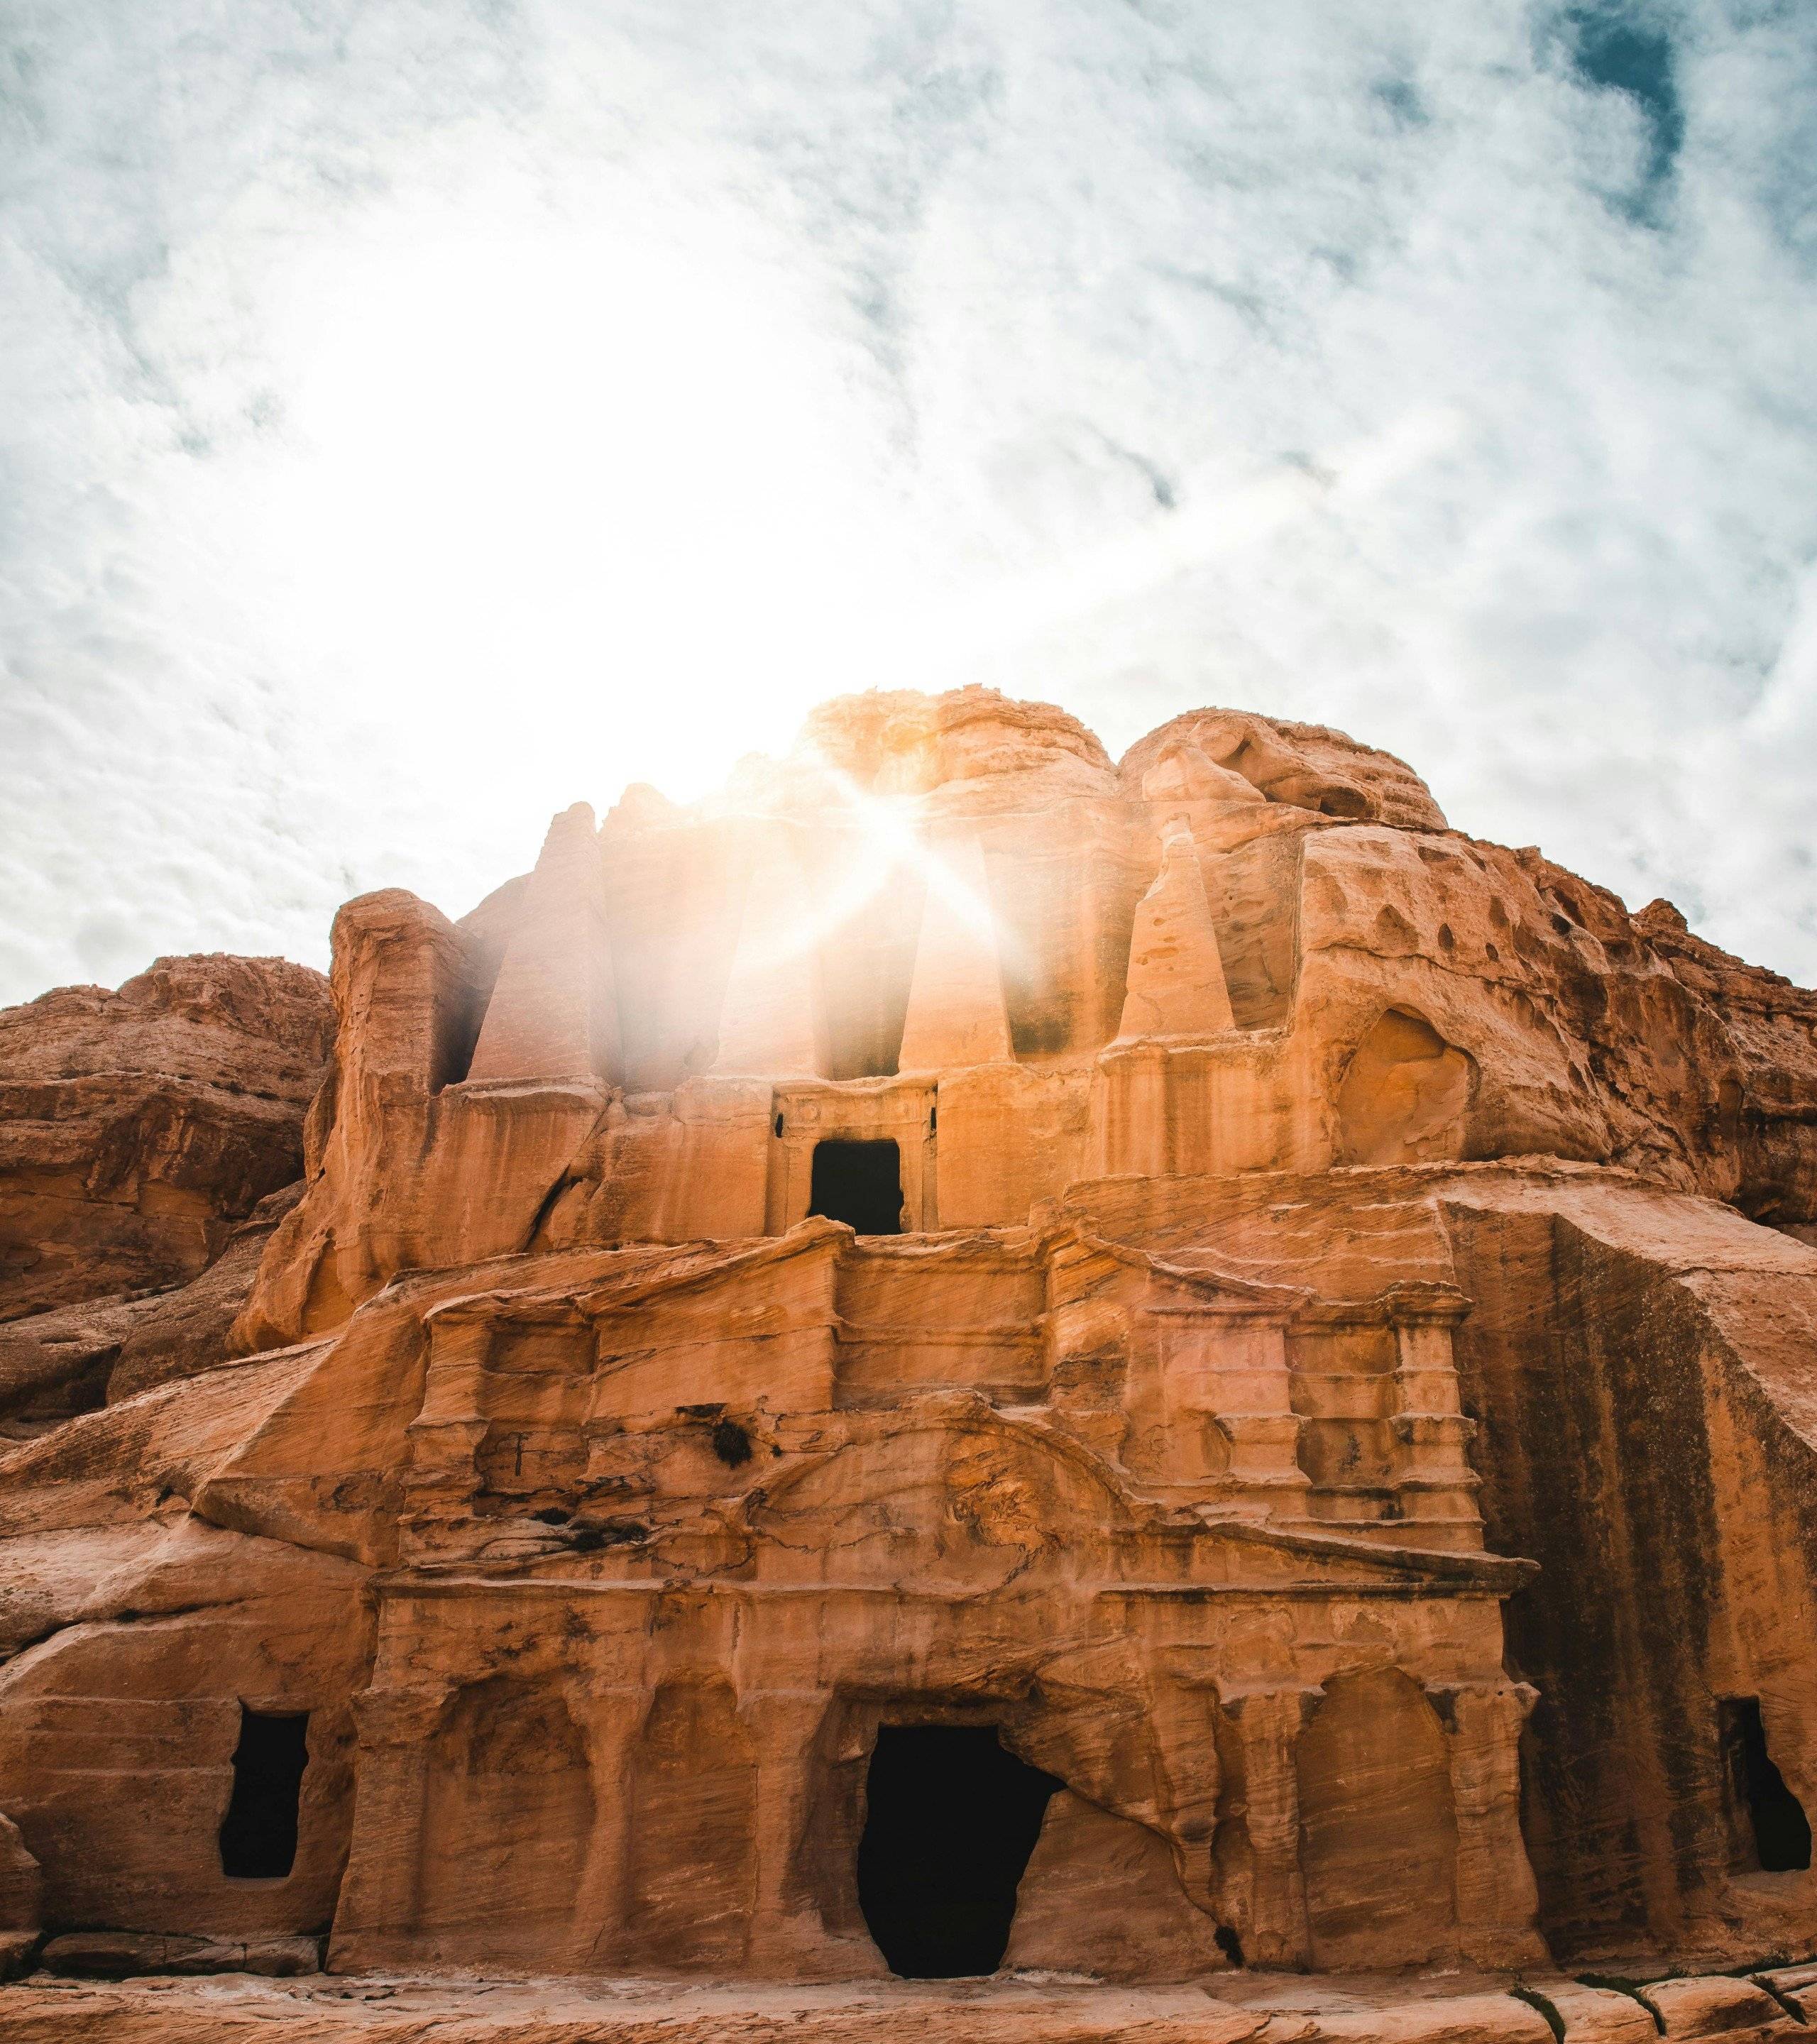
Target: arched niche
{"points": [[509, 1812], [1403, 1095], [1378, 1842]]}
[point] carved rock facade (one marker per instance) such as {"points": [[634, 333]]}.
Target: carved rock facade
{"points": [[965, 1355]]}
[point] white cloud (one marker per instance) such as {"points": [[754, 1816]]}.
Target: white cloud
{"points": [[417, 417]]}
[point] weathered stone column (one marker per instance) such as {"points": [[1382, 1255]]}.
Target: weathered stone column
{"points": [[1175, 983], [609, 1721], [554, 1010], [376, 1912], [766, 1022], [1269, 1723], [785, 1724], [957, 1015], [1183, 1703], [1437, 1484], [1498, 1901]]}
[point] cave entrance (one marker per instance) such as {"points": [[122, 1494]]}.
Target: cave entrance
{"points": [[1772, 1831], [859, 1183], [951, 1820], [258, 1833]]}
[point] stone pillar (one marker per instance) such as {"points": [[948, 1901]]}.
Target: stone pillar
{"points": [[376, 1912], [610, 1720], [957, 1013], [786, 1723], [766, 1023], [1438, 1486], [554, 1010], [1268, 1723], [1183, 1703], [1497, 1901], [1175, 986], [22, 1896]]}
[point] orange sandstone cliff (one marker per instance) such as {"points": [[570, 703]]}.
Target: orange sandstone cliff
{"points": [[961, 1357]]}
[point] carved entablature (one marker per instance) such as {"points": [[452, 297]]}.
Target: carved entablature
{"points": [[707, 1372]]}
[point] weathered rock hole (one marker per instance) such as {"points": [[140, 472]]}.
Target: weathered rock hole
{"points": [[258, 1833], [730, 1443], [608, 1533], [859, 1183], [1763, 1810], [1350, 804], [951, 1820]]}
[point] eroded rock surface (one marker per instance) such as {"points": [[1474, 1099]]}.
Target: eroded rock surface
{"points": [[961, 1357], [140, 1131], [137, 1127]]}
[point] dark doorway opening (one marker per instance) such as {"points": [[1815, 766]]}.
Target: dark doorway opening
{"points": [[1772, 1831], [859, 1183], [952, 1819], [258, 1833]]}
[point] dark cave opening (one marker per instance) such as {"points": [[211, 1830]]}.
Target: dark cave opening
{"points": [[258, 1833], [951, 1820], [1760, 1802], [859, 1183]]}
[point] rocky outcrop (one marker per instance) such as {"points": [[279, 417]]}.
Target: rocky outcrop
{"points": [[407, 1166], [137, 1128], [1294, 766], [1771, 1026], [69, 1359], [899, 742]]}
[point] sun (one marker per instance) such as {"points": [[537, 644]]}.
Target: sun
{"points": [[622, 481]]}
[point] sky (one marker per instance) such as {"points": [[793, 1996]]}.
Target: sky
{"points": [[416, 416]]}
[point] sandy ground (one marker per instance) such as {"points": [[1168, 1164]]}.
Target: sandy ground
{"points": [[1239, 2009]]}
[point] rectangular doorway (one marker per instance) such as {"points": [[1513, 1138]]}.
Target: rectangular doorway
{"points": [[859, 1183]]}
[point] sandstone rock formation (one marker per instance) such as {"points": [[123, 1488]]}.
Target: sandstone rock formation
{"points": [[146, 1136], [962, 1356]]}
